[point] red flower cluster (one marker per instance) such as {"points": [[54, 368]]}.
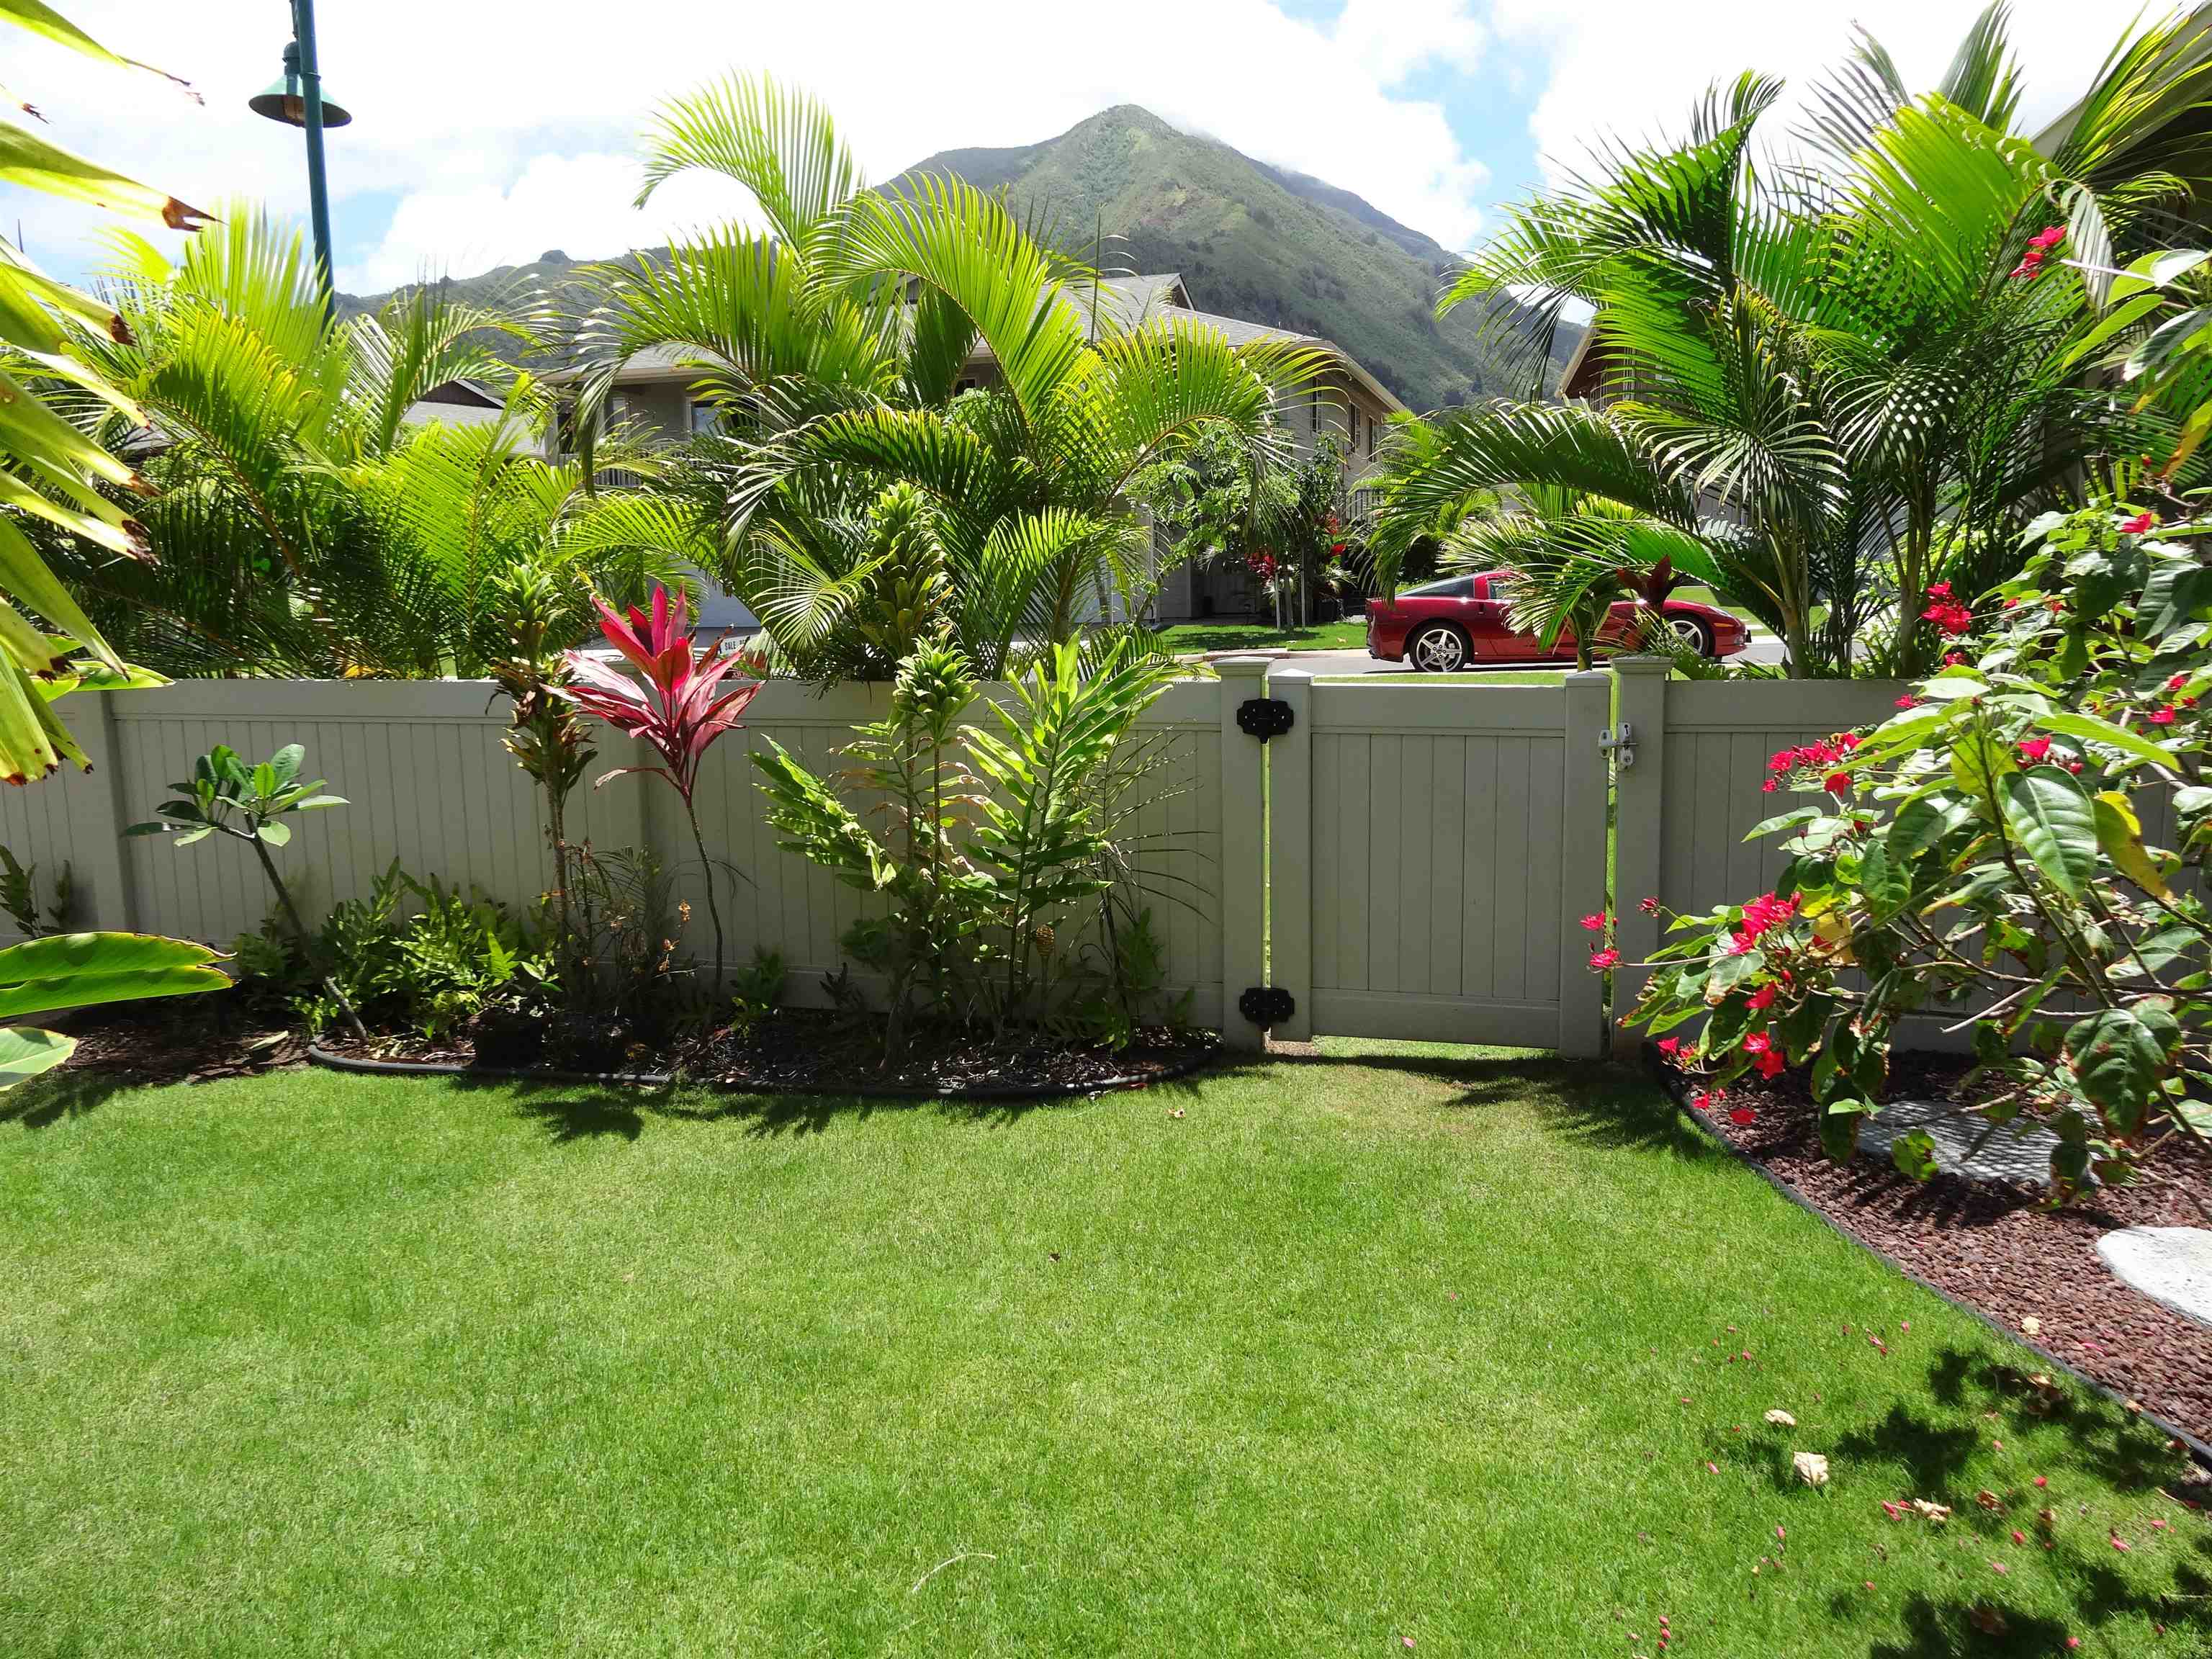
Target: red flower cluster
{"points": [[2138, 525], [2039, 246], [1262, 565], [1824, 756], [2161, 716], [1946, 612], [1763, 913], [1762, 998], [1594, 922], [1604, 959], [1764, 1054], [2034, 748]]}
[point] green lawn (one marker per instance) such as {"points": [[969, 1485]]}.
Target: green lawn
{"points": [[1350, 635], [1386, 1344]]}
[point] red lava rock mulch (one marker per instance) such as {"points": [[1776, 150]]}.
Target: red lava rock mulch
{"points": [[1992, 1245]]}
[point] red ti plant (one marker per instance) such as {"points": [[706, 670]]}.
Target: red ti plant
{"points": [[675, 708]]}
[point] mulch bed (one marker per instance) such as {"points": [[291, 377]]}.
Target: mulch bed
{"points": [[802, 1051], [1994, 1246], [182, 1040]]}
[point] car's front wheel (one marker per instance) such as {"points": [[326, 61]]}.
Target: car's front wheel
{"points": [[1438, 648], [1693, 632]]}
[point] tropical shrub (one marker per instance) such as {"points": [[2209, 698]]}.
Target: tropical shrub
{"points": [[833, 341], [676, 707], [997, 835], [226, 797], [1832, 386], [1996, 851]]}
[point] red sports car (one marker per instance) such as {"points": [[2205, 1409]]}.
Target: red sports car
{"points": [[1461, 621]]}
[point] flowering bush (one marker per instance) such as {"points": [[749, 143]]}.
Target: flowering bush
{"points": [[1983, 853]]}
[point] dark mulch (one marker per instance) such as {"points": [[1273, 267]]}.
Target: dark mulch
{"points": [[804, 1051], [1996, 1247], [182, 1040]]}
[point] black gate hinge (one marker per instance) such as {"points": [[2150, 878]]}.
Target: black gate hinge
{"points": [[1267, 1004], [1264, 717]]}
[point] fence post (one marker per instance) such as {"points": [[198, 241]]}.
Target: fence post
{"points": [[99, 859], [1582, 863], [1290, 852], [1639, 812], [1244, 852]]}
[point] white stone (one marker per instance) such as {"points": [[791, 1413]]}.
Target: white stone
{"points": [[2171, 1266], [1967, 1143]]}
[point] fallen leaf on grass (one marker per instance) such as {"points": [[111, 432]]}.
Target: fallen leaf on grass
{"points": [[2031, 1326], [1812, 1468], [1781, 1420], [1988, 1500]]}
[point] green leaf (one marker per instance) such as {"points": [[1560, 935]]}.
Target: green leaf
{"points": [[25, 1051], [2117, 1055], [1922, 822], [1914, 1155], [274, 834], [284, 764], [2119, 832], [78, 970], [1839, 1128], [1888, 884], [316, 803], [2090, 729], [2052, 817]]}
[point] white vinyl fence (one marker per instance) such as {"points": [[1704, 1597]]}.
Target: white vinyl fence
{"points": [[1398, 858]]}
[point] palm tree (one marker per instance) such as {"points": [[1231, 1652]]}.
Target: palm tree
{"points": [[1824, 378], [852, 478], [304, 526]]}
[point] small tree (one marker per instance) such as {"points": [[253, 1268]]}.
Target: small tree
{"points": [[226, 797]]}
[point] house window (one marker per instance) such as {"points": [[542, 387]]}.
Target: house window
{"points": [[1313, 412], [1353, 409], [704, 418], [1372, 424]]}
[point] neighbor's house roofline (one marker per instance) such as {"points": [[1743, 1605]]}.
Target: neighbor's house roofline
{"points": [[1579, 379]]}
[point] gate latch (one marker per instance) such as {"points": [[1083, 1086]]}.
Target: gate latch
{"points": [[1264, 717], [1622, 742], [1267, 1004]]}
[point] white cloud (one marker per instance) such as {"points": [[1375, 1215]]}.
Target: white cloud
{"points": [[1634, 69], [503, 134]]}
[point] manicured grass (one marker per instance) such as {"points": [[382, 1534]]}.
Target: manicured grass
{"points": [[1386, 1343], [1479, 677], [1350, 635]]}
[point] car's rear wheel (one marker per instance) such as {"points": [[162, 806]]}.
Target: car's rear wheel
{"points": [[1438, 648], [1693, 632]]}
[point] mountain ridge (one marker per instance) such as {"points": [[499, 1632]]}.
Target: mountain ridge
{"points": [[1251, 240]]}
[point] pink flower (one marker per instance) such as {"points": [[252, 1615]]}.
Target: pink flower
{"points": [[2035, 749], [1954, 659], [1604, 959], [2018, 1536], [1905, 702], [1837, 783], [1778, 1533], [1757, 1042], [1771, 1063], [2161, 716], [1949, 616], [1594, 922], [2042, 1480], [1670, 1047], [2176, 682], [2050, 237], [2139, 526], [1743, 1117], [1762, 998], [1939, 590], [2120, 1543], [1650, 907]]}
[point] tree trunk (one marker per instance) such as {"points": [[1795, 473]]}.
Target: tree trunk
{"points": [[713, 904], [299, 931]]}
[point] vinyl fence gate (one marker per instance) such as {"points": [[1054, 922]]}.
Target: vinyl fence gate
{"points": [[1409, 859]]}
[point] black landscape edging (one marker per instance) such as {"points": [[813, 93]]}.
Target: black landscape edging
{"points": [[1676, 1086], [1128, 1082]]}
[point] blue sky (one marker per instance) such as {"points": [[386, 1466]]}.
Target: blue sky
{"points": [[498, 142]]}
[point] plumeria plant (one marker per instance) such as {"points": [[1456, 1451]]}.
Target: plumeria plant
{"points": [[677, 706], [2020, 848]]}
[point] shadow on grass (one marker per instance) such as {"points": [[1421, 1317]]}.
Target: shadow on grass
{"points": [[66, 1093]]}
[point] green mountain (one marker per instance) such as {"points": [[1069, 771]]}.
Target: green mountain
{"points": [[1250, 240]]}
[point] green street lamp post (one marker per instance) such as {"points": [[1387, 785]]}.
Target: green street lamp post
{"points": [[296, 100]]}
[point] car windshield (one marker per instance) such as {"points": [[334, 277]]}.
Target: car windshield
{"points": [[1451, 587]]}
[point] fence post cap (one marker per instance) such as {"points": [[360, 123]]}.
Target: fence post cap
{"points": [[1590, 677], [1643, 664], [1242, 668]]}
